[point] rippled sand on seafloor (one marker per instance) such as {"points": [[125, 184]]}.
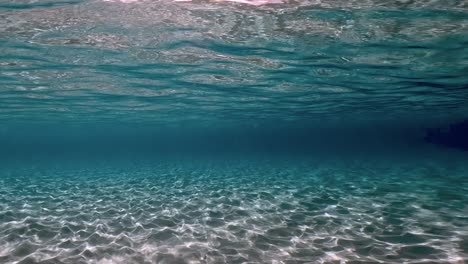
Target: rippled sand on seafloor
{"points": [[236, 212]]}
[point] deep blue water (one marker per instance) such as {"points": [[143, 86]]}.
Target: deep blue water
{"points": [[226, 132]]}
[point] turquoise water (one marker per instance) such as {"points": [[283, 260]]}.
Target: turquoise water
{"points": [[166, 62], [256, 210], [240, 131]]}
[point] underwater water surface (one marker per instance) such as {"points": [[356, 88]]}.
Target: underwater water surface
{"points": [[237, 131]]}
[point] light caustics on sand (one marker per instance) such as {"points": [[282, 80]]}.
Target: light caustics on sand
{"points": [[242, 213], [169, 64]]}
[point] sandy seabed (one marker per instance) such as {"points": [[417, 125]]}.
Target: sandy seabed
{"points": [[293, 211]]}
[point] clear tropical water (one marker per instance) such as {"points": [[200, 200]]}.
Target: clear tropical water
{"points": [[256, 211], [241, 131]]}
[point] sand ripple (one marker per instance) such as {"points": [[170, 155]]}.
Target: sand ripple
{"points": [[237, 213]]}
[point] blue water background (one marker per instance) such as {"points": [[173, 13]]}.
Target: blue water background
{"points": [[219, 132]]}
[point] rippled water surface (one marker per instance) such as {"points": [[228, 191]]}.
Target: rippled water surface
{"points": [[236, 131], [168, 61]]}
